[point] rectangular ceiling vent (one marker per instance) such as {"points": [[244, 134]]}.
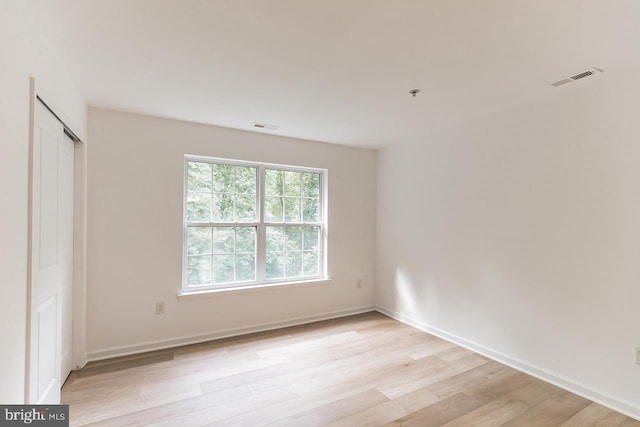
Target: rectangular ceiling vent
{"points": [[577, 77], [582, 75], [265, 126]]}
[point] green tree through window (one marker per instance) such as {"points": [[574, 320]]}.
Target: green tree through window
{"points": [[229, 243]]}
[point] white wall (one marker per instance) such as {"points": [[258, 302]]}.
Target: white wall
{"points": [[135, 233], [24, 52], [519, 234]]}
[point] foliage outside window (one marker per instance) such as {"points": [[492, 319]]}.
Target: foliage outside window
{"points": [[251, 224]]}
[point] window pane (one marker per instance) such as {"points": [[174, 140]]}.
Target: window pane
{"points": [[294, 264], [275, 265], [291, 209], [199, 240], [275, 239], [311, 185], [223, 240], [222, 208], [234, 250], [199, 176], [246, 208], [274, 209], [246, 239], [245, 180], [223, 268], [292, 182], [310, 211], [199, 207], [274, 182], [311, 237], [293, 238], [310, 263], [245, 267], [223, 177], [199, 270]]}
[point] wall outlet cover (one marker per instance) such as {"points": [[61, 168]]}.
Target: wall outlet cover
{"points": [[159, 308]]}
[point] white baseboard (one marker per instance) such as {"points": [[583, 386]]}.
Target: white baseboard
{"points": [[126, 350], [620, 405]]}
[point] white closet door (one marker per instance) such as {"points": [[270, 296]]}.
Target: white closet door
{"points": [[51, 258]]}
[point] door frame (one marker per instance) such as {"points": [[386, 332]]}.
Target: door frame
{"points": [[78, 349]]}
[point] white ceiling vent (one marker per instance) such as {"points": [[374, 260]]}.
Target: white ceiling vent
{"points": [[265, 126], [577, 76]]}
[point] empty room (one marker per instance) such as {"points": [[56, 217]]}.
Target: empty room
{"points": [[306, 213]]}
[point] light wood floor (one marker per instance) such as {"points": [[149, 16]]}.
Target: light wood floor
{"points": [[364, 370]]}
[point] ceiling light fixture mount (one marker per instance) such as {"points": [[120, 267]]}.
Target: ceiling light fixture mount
{"points": [[414, 92]]}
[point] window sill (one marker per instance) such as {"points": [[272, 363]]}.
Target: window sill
{"points": [[252, 288]]}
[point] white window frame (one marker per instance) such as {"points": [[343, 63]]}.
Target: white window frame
{"points": [[261, 225]]}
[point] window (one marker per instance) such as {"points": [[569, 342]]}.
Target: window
{"points": [[247, 224]]}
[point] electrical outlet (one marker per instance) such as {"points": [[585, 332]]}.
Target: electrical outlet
{"points": [[160, 308], [359, 283], [637, 355]]}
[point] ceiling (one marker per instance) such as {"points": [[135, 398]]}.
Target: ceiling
{"points": [[336, 71]]}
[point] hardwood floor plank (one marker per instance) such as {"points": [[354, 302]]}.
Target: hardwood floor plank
{"points": [[439, 346], [389, 411], [409, 384], [497, 386], [339, 409], [549, 413], [595, 415], [571, 399], [453, 354], [493, 413], [93, 410], [439, 413], [467, 380]]}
